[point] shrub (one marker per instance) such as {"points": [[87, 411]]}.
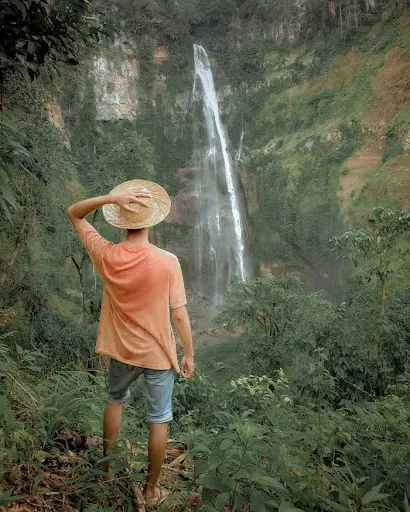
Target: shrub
{"points": [[394, 146]]}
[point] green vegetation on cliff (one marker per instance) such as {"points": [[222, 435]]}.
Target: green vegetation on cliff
{"points": [[325, 133]]}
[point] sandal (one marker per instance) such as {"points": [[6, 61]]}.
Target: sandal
{"points": [[158, 500]]}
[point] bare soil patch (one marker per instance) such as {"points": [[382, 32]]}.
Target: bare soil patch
{"points": [[397, 180], [359, 165], [392, 90], [342, 72]]}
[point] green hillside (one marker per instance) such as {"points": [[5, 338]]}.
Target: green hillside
{"points": [[327, 139]]}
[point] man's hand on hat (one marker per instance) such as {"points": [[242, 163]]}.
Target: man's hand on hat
{"points": [[131, 195]]}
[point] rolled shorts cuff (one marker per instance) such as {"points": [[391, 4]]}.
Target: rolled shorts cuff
{"points": [[113, 399], [117, 401], [166, 418]]}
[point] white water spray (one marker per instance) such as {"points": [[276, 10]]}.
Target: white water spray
{"points": [[219, 236]]}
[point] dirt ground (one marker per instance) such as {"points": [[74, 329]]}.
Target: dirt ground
{"points": [[54, 493]]}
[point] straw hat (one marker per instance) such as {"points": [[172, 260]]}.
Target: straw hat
{"points": [[142, 216]]}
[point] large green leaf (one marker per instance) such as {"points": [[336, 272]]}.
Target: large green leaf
{"points": [[258, 500], [406, 503], [289, 507], [200, 467], [222, 499], [199, 448], [374, 495], [270, 482], [7, 196], [7, 497], [239, 502], [215, 482], [5, 208], [20, 5], [333, 506], [207, 507], [225, 444]]}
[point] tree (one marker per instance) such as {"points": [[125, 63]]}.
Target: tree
{"points": [[14, 156], [379, 252], [35, 34], [39, 33], [275, 314]]}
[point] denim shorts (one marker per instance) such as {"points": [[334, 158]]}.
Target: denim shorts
{"points": [[159, 385]]}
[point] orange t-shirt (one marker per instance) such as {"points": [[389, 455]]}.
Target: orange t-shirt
{"points": [[141, 284]]}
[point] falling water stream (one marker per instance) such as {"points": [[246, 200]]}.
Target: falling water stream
{"points": [[219, 234]]}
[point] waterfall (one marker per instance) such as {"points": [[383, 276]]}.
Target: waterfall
{"points": [[219, 235], [238, 155]]}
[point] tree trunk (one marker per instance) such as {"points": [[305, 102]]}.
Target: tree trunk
{"points": [[290, 104], [383, 295], [81, 278], [6, 277], [356, 13], [1, 91]]}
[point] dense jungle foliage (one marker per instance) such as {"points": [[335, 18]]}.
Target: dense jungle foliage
{"points": [[301, 400]]}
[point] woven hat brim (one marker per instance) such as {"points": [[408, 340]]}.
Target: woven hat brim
{"points": [[142, 216]]}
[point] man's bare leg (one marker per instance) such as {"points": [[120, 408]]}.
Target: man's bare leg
{"points": [[158, 434], [112, 422]]}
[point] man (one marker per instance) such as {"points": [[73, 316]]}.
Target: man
{"points": [[141, 284]]}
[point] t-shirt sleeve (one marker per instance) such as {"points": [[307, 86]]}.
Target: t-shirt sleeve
{"points": [[177, 295], [93, 242]]}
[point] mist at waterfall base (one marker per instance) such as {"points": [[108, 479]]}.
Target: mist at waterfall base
{"points": [[219, 239]]}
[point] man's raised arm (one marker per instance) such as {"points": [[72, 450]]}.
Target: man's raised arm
{"points": [[76, 212]]}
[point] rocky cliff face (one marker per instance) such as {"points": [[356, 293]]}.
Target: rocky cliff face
{"points": [[53, 110], [116, 72], [184, 202], [115, 89]]}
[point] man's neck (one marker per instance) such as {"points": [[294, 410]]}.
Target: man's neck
{"points": [[138, 236]]}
